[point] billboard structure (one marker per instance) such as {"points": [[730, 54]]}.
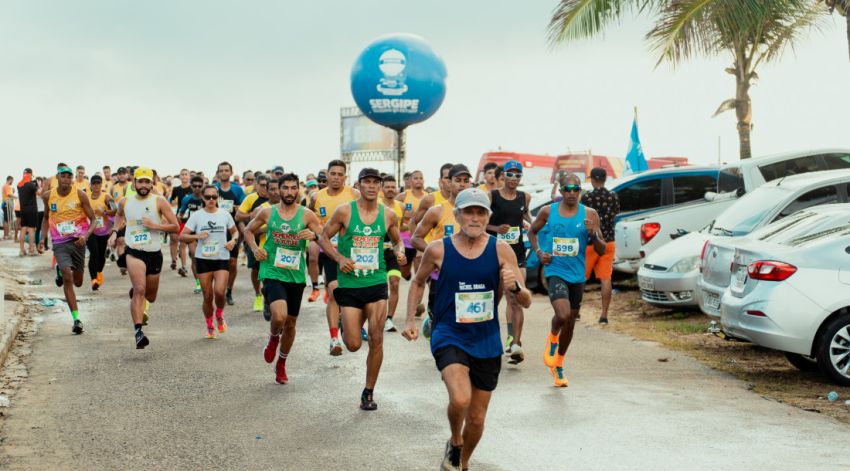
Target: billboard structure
{"points": [[366, 144]]}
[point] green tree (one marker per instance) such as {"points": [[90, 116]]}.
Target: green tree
{"points": [[843, 8], [750, 32]]}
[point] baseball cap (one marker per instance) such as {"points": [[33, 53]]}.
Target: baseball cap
{"points": [[460, 169], [277, 169], [512, 165], [472, 197], [143, 172], [96, 179], [598, 173], [28, 170], [322, 174], [64, 170], [311, 183], [121, 170], [369, 172]]}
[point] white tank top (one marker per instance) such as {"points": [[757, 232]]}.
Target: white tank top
{"points": [[137, 236]]}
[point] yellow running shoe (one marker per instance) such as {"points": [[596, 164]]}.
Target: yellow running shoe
{"points": [[258, 304], [210, 332], [550, 351], [560, 378], [222, 325]]}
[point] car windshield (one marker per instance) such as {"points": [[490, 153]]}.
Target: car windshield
{"points": [[832, 232], [745, 214]]}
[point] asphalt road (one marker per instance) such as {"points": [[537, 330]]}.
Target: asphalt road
{"points": [[94, 402]]}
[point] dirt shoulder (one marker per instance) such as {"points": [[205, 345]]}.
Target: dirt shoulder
{"points": [[766, 371]]}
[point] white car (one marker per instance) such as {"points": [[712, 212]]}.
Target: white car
{"points": [[638, 236], [793, 294], [770, 203]]}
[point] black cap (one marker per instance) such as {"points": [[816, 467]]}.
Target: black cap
{"points": [[321, 174], [121, 170], [369, 172], [28, 170], [96, 179], [459, 169], [598, 173]]}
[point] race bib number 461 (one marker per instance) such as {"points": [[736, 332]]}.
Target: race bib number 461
{"points": [[474, 307], [565, 246]]}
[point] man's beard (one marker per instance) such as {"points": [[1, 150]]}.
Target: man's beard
{"points": [[287, 200], [143, 191]]}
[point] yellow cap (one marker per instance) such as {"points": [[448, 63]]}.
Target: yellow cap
{"points": [[143, 172]]}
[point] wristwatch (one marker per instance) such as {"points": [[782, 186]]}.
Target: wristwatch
{"points": [[517, 288]]}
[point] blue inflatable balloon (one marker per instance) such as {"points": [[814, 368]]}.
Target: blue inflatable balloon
{"points": [[398, 80]]}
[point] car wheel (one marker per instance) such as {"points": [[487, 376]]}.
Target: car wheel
{"points": [[833, 351], [802, 362]]}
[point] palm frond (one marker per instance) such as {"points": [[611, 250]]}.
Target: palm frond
{"points": [[796, 22], [577, 19]]}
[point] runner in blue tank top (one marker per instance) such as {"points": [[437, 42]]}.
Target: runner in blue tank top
{"points": [[475, 269], [562, 252]]}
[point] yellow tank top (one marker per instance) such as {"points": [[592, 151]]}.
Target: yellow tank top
{"points": [[67, 219], [99, 207], [446, 226], [397, 209], [326, 204], [117, 191], [411, 202], [438, 198]]}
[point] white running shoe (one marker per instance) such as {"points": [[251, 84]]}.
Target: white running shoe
{"points": [[516, 354], [389, 326], [336, 347]]}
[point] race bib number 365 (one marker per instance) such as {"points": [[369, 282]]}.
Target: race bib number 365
{"points": [[474, 307], [564, 246]]}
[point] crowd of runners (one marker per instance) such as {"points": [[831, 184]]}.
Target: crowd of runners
{"points": [[462, 244]]}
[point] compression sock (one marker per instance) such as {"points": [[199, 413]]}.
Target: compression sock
{"points": [[283, 356], [75, 314], [334, 332], [138, 327], [510, 329], [219, 311], [209, 322]]}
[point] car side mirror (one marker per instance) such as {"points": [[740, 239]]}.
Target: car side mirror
{"points": [[740, 192], [847, 249]]}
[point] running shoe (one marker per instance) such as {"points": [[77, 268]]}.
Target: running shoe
{"points": [[280, 372], [222, 324], [197, 286], [94, 285], [326, 296], [363, 334], [100, 278], [560, 378], [508, 342], [173, 265], [229, 296], [426, 327], [336, 347], [367, 402], [78, 327], [270, 349], [420, 309], [516, 354], [451, 460], [182, 272], [123, 271], [314, 295], [603, 320], [58, 279], [389, 326], [550, 351], [210, 332], [258, 303], [141, 340]]}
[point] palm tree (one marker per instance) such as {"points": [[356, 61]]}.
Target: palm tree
{"points": [[750, 31], [843, 8]]}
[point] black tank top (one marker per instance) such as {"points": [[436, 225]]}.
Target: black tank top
{"points": [[509, 212]]}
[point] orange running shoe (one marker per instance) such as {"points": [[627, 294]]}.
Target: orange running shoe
{"points": [[94, 285], [314, 295], [280, 372], [100, 278], [326, 295], [560, 378], [550, 351], [210, 333], [222, 324]]}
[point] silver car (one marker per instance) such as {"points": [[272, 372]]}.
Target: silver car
{"points": [[669, 275], [769, 203], [792, 293]]}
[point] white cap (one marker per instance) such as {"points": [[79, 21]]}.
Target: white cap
{"points": [[472, 197]]}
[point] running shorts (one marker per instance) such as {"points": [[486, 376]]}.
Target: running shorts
{"points": [[152, 260], [601, 265], [483, 372], [359, 297], [68, 255], [560, 289], [329, 268], [205, 265], [291, 293]]}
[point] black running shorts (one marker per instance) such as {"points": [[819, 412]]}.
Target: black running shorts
{"points": [[359, 297], [291, 293], [560, 289], [329, 267], [152, 260], [483, 372], [204, 265]]}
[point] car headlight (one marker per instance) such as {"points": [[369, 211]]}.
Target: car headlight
{"points": [[686, 265]]}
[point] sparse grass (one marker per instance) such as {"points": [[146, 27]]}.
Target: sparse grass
{"points": [[767, 371]]}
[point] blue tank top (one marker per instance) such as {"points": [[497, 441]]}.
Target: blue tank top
{"points": [[567, 242], [466, 313]]}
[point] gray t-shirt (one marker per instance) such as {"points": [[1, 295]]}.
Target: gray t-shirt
{"points": [[217, 224]]}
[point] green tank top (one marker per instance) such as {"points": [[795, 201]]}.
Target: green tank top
{"points": [[363, 244], [285, 260]]}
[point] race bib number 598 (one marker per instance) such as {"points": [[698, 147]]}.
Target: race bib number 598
{"points": [[565, 246]]}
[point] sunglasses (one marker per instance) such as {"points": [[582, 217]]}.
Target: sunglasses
{"points": [[197, 186], [249, 179], [210, 197], [513, 174], [571, 188]]}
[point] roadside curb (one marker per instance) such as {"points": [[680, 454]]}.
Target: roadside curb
{"points": [[10, 334]]}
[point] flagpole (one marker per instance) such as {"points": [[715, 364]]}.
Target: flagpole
{"points": [[635, 113]]}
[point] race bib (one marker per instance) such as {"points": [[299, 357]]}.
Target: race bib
{"points": [[511, 237], [449, 230], [287, 259], [66, 228], [474, 307], [210, 248], [139, 238], [99, 222], [226, 205], [365, 258], [564, 246]]}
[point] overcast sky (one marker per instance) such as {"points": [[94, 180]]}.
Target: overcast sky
{"points": [[174, 84]]}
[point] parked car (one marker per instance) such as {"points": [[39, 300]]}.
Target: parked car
{"points": [[791, 294], [769, 203], [640, 235]]}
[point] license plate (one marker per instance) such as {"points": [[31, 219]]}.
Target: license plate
{"points": [[647, 284], [740, 277], [712, 301]]}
